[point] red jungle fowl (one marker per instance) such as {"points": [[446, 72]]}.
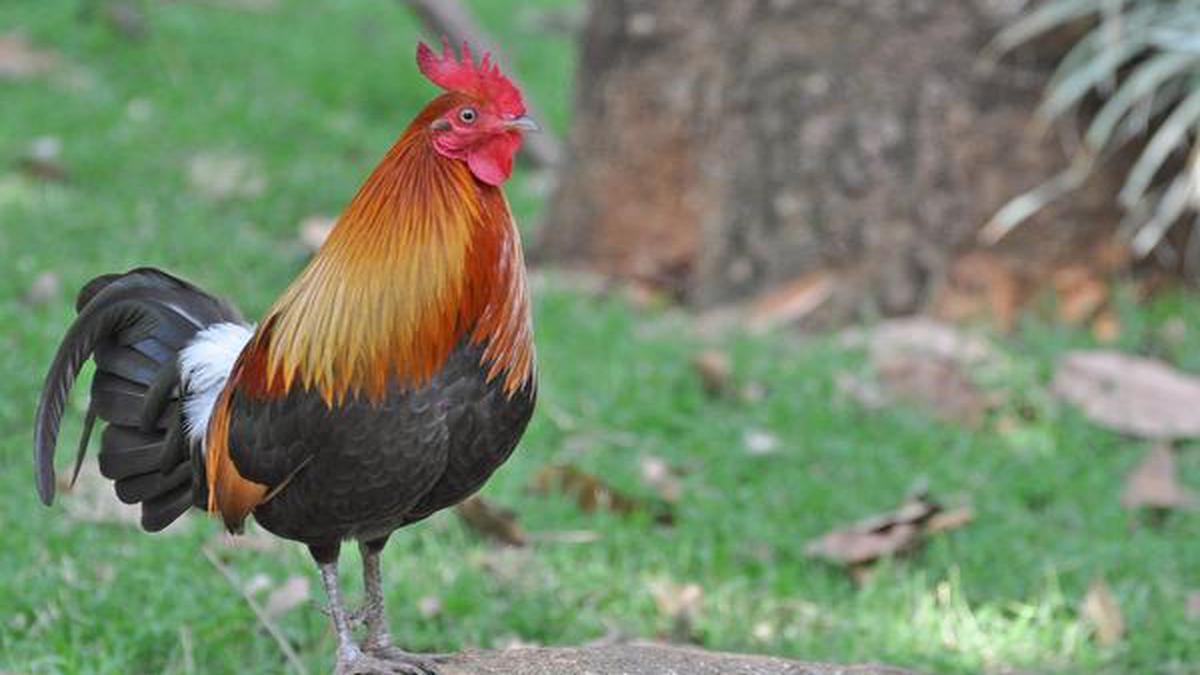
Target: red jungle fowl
{"points": [[388, 382]]}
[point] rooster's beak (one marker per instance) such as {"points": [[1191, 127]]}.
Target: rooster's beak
{"points": [[523, 123]]}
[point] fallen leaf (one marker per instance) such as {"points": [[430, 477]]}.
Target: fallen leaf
{"points": [[493, 522], [1192, 606], [792, 302], [591, 493], [255, 6], [293, 593], [314, 230], [429, 607], [126, 18], [715, 371], [858, 545], [939, 385], [681, 605], [257, 584], [225, 176], [509, 643], [645, 297], [1106, 327], [759, 443], [980, 285], [1080, 294], [923, 362], [892, 533], [1130, 394], [510, 566], [43, 159], [944, 521], [19, 59], [1100, 609], [46, 287], [864, 391], [566, 537], [659, 475], [1175, 330], [899, 338], [1153, 484]]}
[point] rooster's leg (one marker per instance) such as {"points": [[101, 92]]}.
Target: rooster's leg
{"points": [[379, 639], [350, 659]]}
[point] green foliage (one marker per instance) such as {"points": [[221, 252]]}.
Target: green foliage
{"points": [[1141, 60]]}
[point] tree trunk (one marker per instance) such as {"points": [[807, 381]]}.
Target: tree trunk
{"points": [[722, 149]]}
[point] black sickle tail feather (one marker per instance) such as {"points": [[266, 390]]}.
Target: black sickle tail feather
{"points": [[133, 326]]}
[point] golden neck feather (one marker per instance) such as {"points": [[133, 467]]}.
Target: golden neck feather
{"points": [[424, 257]]}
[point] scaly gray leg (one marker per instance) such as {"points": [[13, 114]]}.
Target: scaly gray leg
{"points": [[350, 659], [379, 639]]}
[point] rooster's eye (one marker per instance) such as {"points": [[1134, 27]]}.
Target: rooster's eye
{"points": [[467, 115]]}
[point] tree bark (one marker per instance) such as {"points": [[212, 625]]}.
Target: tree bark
{"points": [[722, 149]]}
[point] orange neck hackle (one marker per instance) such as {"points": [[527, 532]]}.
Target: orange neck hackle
{"points": [[424, 257]]}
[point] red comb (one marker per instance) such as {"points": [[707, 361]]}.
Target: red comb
{"points": [[483, 81]]}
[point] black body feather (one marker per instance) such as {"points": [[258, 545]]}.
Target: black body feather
{"points": [[360, 469], [133, 326]]}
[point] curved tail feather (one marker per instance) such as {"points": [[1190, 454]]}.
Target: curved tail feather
{"points": [[133, 326]]}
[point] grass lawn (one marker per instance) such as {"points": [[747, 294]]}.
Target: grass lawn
{"points": [[305, 97]]}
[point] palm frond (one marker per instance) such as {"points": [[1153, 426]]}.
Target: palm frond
{"points": [[1141, 60]]}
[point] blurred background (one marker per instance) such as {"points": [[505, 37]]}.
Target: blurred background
{"points": [[865, 328]]}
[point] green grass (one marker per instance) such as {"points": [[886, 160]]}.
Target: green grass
{"points": [[313, 93]]}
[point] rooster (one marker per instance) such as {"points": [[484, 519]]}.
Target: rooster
{"points": [[388, 382]]}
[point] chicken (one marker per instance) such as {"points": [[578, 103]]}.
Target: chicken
{"points": [[388, 382]]}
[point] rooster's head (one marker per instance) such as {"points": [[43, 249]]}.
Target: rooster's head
{"points": [[480, 118]]}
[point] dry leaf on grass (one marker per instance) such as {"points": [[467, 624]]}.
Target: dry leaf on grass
{"points": [[1154, 484], [19, 59], [715, 371], [293, 593], [46, 287], [1100, 609], [980, 285], [939, 385], [1191, 606], [314, 230], [226, 176], [126, 18], [898, 338], [256, 6], [759, 443], [895, 532], [591, 493], [493, 522], [1130, 394], [680, 604], [43, 159], [1106, 327], [658, 474], [944, 521], [865, 391], [922, 362], [1079, 292], [792, 302], [429, 607]]}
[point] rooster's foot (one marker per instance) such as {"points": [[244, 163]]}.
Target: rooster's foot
{"points": [[424, 663], [355, 662]]}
